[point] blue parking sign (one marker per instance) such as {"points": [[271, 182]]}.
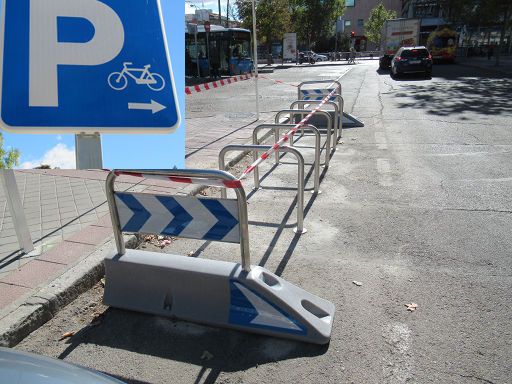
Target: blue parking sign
{"points": [[86, 66]]}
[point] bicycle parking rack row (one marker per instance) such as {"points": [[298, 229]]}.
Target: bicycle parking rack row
{"points": [[219, 293]]}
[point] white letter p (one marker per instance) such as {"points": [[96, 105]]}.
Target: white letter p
{"points": [[47, 53]]}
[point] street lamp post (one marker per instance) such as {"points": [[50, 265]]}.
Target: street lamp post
{"points": [[255, 59]]}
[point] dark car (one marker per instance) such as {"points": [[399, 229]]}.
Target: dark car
{"points": [[385, 61], [412, 60]]}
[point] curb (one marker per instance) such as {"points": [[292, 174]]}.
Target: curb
{"points": [[42, 306], [34, 311]]}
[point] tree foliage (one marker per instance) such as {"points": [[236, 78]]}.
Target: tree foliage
{"points": [[373, 26], [312, 20], [8, 158], [272, 18]]}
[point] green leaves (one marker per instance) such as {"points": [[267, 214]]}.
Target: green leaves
{"points": [[8, 158], [376, 20]]}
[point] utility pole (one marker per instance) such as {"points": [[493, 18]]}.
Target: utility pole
{"points": [[220, 20]]}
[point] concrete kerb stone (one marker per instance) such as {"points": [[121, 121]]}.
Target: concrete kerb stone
{"points": [[32, 312], [29, 313]]}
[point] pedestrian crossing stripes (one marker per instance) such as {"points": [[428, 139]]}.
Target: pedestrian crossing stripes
{"points": [[188, 217]]}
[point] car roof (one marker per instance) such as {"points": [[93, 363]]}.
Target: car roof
{"points": [[416, 47]]}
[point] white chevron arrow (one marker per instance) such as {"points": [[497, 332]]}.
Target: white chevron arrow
{"points": [[202, 219], [267, 314]]}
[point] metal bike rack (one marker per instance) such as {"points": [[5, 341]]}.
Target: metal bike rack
{"points": [[301, 104], [214, 292], [315, 82], [305, 112], [263, 148], [277, 128]]}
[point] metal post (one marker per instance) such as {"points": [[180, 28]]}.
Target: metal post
{"points": [[304, 112], [255, 60], [208, 51], [337, 116], [12, 193], [195, 173], [278, 128], [88, 152], [300, 182]]}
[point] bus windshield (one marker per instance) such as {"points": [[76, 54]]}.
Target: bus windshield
{"points": [[227, 50]]}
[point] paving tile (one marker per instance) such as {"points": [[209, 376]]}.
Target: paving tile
{"points": [[9, 293], [92, 235], [104, 221], [66, 252], [33, 273]]}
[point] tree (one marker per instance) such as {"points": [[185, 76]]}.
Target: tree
{"points": [[481, 13], [375, 22], [313, 20], [8, 158], [272, 18]]}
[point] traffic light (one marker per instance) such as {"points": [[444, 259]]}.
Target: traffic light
{"points": [[352, 34]]}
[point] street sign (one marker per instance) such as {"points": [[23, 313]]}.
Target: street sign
{"points": [[190, 217], [207, 26], [71, 66]]}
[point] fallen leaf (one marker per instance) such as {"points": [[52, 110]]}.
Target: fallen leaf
{"points": [[102, 281], [190, 253], [358, 283], [411, 307], [206, 356], [66, 335]]}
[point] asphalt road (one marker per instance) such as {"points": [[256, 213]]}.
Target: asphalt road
{"points": [[417, 206]]}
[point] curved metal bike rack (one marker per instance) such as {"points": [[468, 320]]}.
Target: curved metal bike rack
{"points": [[277, 128], [300, 175], [305, 112], [301, 104]]}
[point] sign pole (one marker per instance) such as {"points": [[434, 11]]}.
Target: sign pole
{"points": [[88, 151], [16, 209], [255, 60]]}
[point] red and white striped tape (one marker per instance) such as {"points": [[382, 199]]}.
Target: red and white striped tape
{"points": [[278, 81], [286, 137], [216, 84], [186, 180]]}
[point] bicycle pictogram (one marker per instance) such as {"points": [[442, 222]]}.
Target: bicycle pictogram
{"points": [[141, 76]]}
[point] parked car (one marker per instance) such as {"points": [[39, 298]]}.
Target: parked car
{"points": [[316, 56], [412, 60], [18, 367], [385, 61]]}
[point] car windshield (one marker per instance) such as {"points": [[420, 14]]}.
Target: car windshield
{"points": [[414, 53]]}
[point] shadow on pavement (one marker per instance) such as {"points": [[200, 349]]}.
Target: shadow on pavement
{"points": [[216, 350], [479, 92]]}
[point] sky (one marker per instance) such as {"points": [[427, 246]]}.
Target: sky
{"points": [[119, 150], [207, 4]]}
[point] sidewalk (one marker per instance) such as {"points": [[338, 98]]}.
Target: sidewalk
{"points": [[505, 66], [68, 219]]}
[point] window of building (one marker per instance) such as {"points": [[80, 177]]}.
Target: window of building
{"points": [[347, 24], [360, 22], [350, 3]]}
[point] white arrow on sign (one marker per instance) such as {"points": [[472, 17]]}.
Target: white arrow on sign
{"points": [[154, 107]]}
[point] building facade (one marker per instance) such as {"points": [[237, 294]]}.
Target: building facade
{"points": [[357, 13]]}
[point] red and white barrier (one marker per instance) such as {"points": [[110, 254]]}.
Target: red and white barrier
{"points": [[186, 180], [216, 84]]}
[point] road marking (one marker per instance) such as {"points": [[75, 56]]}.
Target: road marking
{"points": [[384, 172], [380, 140], [398, 367]]}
